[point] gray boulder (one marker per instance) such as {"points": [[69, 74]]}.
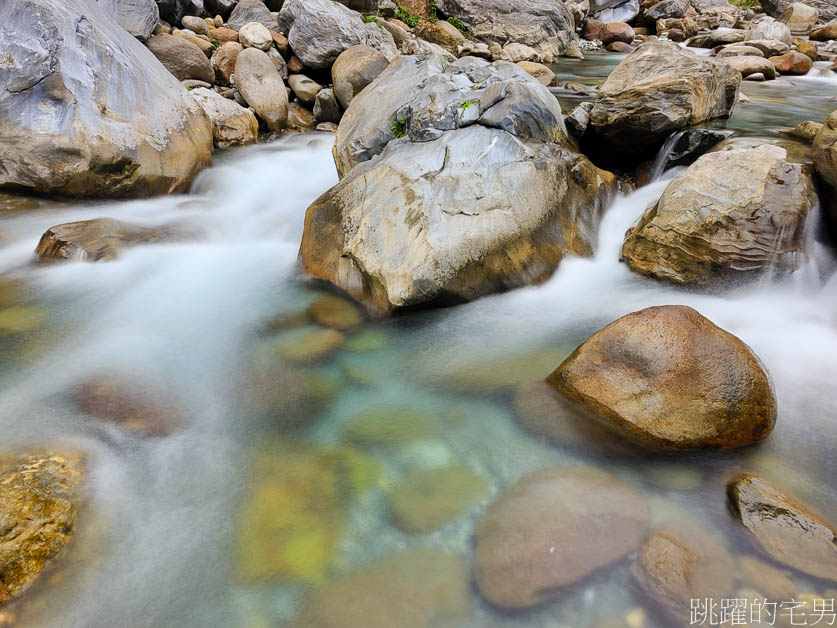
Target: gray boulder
{"points": [[826, 8], [67, 63], [247, 11], [262, 87], [768, 28], [666, 9], [326, 107], [319, 30], [458, 180], [657, 89], [138, 17], [541, 24], [614, 10]]}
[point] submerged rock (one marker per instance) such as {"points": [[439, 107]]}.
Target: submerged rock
{"points": [[101, 239], [679, 563], [38, 507], [734, 212], [335, 312], [388, 424], [657, 89], [416, 588], [308, 345], [765, 579], [785, 527], [474, 188], [87, 110], [667, 377], [553, 528]]}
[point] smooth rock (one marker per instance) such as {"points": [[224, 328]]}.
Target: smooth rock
{"points": [[735, 212], [768, 28], [785, 527], [353, 70], [309, 345], [300, 118], [666, 9], [247, 11], [278, 62], [335, 312], [516, 52], [232, 124], [619, 47], [181, 57], [262, 87], [255, 35], [808, 48], [138, 17], [441, 33], [388, 425], [205, 46], [542, 73], [826, 8], [132, 406], [616, 31], [195, 24], [553, 528], [739, 50], [805, 131], [614, 10], [667, 377], [769, 47], [793, 63], [826, 33], [719, 37], [304, 88], [223, 34], [800, 18]]}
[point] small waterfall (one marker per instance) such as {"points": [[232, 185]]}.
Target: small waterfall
{"points": [[662, 158]]}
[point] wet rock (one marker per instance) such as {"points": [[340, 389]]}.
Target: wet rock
{"points": [[441, 33], [542, 73], [326, 107], [262, 87], [657, 89], [59, 135], [291, 397], [38, 507], [291, 520], [255, 35], [553, 528], [616, 31], [800, 18], [354, 69], [223, 61], [319, 30], [247, 11], [388, 425], [304, 88], [785, 527], [537, 23], [735, 212], [232, 124], [578, 120], [138, 17], [132, 406], [181, 57], [427, 500], [679, 563], [309, 345], [826, 33], [328, 127], [765, 578], [417, 587], [19, 319], [335, 312], [690, 144], [101, 239], [667, 377], [374, 234], [592, 30], [805, 131], [808, 48], [719, 37], [824, 152], [793, 63]]}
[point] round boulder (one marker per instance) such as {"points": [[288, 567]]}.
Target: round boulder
{"points": [[181, 57], [669, 378], [354, 69], [262, 87], [616, 31], [792, 62], [255, 35], [553, 528]]}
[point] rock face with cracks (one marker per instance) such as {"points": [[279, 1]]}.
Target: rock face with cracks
{"points": [[458, 181]]}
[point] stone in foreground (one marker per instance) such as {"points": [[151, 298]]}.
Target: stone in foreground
{"points": [[785, 527], [553, 528], [458, 181], [667, 377], [736, 212], [87, 110], [657, 89]]}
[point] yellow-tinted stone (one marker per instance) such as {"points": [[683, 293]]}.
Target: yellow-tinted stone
{"points": [[18, 319], [335, 312], [388, 425], [309, 346], [367, 340]]}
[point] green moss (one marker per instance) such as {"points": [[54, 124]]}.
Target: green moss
{"points": [[746, 4], [467, 104], [399, 129], [408, 18], [369, 19], [455, 21]]}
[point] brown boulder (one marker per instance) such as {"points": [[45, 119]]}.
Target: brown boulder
{"points": [[826, 33], [223, 35], [592, 29], [441, 33], [619, 47], [354, 69], [785, 527], [793, 62], [616, 31], [223, 61], [553, 528], [181, 57], [668, 377]]}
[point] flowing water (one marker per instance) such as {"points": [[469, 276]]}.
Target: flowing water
{"points": [[167, 535]]}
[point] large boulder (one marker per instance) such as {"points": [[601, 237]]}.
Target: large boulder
{"points": [[614, 10], [224, 59], [138, 17], [262, 87], [667, 377], [183, 58], [541, 24], [750, 64], [247, 11], [38, 508], [354, 69], [826, 8], [553, 528], [457, 181], [657, 89], [666, 9], [232, 124], [792, 63], [87, 110], [800, 18], [770, 29], [736, 212], [319, 30], [784, 526]]}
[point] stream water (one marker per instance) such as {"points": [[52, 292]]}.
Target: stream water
{"points": [[166, 538]]}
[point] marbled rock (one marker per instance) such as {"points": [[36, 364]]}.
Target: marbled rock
{"points": [[657, 89], [416, 587], [508, 216], [666, 9], [127, 129], [353, 70], [300, 118], [768, 47], [793, 63], [247, 11], [735, 212], [232, 124], [262, 87], [319, 30], [800, 18], [138, 17], [768, 28], [678, 563], [255, 35], [553, 528], [614, 10], [667, 377], [537, 23], [181, 57], [785, 527], [38, 506]]}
